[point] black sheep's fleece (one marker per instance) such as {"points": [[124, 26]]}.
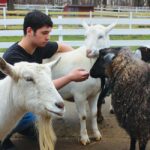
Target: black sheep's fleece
{"points": [[131, 94]]}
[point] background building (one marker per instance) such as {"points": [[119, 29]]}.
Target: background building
{"points": [[87, 2], [95, 3]]}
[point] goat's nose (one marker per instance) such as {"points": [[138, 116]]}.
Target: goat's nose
{"points": [[60, 105]]}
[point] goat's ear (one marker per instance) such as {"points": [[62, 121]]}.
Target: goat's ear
{"points": [[109, 57], [54, 63], [85, 25], [7, 69], [110, 27], [138, 54]]}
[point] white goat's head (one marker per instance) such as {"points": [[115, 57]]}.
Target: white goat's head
{"points": [[32, 88], [97, 38]]}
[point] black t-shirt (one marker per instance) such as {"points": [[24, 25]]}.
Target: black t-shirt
{"points": [[17, 54]]}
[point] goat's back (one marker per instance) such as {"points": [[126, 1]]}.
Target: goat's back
{"points": [[69, 61]]}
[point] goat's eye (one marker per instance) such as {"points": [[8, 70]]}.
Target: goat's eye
{"points": [[29, 79], [100, 37]]}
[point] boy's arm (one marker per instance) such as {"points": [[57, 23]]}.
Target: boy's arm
{"points": [[62, 47], [76, 75]]}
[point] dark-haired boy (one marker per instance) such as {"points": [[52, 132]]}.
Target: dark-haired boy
{"points": [[34, 47]]}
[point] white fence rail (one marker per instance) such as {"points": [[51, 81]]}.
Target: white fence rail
{"points": [[78, 30], [39, 7], [78, 21]]}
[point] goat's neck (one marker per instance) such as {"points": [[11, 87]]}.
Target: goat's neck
{"points": [[92, 60], [9, 112]]}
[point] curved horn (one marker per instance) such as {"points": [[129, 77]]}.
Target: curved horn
{"points": [[53, 63], [110, 27], [7, 69], [109, 57], [85, 25]]}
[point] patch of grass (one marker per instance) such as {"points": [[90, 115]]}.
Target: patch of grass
{"points": [[10, 39], [2, 50], [130, 37], [74, 38], [13, 27], [133, 48], [80, 37], [52, 38]]}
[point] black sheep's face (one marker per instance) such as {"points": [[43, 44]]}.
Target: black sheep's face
{"points": [[103, 62], [145, 52]]}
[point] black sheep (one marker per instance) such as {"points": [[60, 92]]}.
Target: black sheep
{"points": [[130, 83], [144, 53]]}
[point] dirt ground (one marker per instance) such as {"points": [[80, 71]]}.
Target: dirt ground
{"points": [[67, 131]]}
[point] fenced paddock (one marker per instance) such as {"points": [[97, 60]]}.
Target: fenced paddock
{"points": [[70, 27]]}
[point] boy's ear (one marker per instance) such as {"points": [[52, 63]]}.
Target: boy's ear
{"points": [[29, 31]]}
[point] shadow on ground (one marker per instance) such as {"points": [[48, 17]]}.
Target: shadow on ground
{"points": [[67, 131]]}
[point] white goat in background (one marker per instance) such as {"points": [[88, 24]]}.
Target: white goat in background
{"points": [[27, 88], [96, 38]]}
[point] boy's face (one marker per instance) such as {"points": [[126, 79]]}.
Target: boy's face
{"points": [[41, 36]]}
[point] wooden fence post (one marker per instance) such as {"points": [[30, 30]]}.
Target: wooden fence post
{"points": [[46, 10], [118, 12], [130, 20], [90, 17], [60, 27], [101, 11], [4, 16]]}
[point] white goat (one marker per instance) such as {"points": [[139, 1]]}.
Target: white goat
{"points": [[27, 88], [96, 38]]}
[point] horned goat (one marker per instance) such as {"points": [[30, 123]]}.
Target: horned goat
{"points": [[28, 87], [97, 37]]}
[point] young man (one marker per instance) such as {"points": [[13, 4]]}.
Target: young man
{"points": [[34, 47]]}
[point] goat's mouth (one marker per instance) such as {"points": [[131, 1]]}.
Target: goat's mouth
{"points": [[92, 54], [56, 113]]}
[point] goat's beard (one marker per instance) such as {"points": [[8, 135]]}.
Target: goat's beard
{"points": [[47, 136]]}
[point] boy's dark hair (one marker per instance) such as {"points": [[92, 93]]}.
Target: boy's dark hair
{"points": [[36, 19]]}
